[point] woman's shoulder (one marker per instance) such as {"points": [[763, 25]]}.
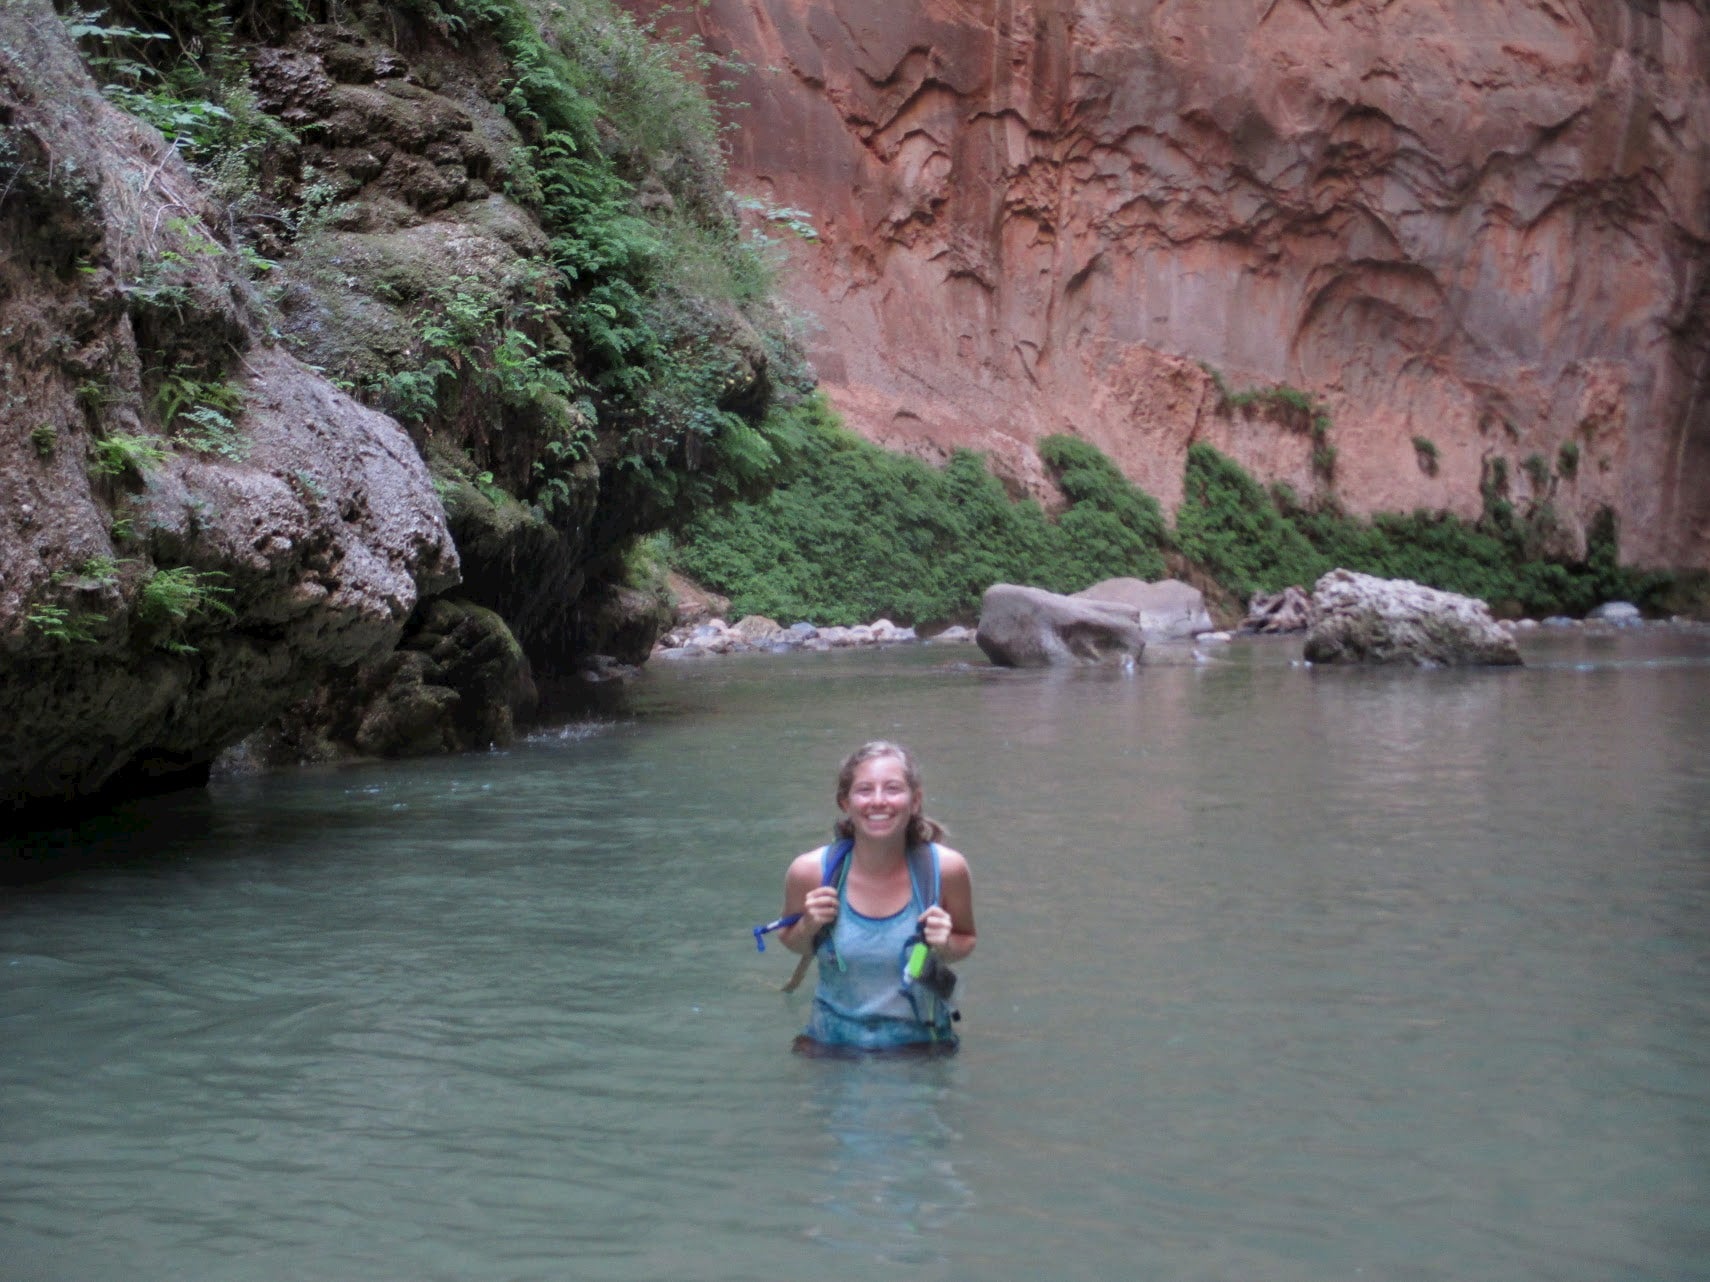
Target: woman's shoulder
{"points": [[950, 861], [808, 863]]}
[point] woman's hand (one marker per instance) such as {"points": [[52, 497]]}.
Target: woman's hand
{"points": [[818, 909], [935, 926], [803, 894], [948, 926]]}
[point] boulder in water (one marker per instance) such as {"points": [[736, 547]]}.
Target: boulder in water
{"points": [[1169, 609], [1362, 619], [1030, 628]]}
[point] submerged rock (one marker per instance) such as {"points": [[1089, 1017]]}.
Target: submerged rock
{"points": [[1031, 628], [1363, 619]]}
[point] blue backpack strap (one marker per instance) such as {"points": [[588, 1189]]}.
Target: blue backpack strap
{"points": [[834, 861], [923, 872]]}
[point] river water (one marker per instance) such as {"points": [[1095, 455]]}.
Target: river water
{"points": [[1284, 973]]}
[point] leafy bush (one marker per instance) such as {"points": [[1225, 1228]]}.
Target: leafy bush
{"points": [[1230, 526], [856, 533], [1253, 541]]}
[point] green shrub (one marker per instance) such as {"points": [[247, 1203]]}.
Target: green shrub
{"points": [[198, 412], [1109, 523], [856, 533], [1253, 541], [1230, 526], [1537, 469]]}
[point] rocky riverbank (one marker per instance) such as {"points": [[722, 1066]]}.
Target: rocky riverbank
{"points": [[755, 634]]}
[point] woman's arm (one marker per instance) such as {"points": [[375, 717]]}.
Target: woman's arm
{"points": [[803, 894], [949, 925]]}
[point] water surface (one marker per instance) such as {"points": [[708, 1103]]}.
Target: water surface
{"points": [[1284, 973]]}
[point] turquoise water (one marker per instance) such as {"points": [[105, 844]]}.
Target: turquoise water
{"points": [[1284, 973]]}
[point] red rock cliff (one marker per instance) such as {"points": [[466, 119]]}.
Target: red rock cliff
{"points": [[1472, 231]]}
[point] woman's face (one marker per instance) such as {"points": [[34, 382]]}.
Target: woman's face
{"points": [[880, 802]]}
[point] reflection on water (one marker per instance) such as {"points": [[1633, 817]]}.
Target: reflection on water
{"points": [[1284, 973], [888, 1186]]}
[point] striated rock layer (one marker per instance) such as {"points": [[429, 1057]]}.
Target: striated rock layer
{"points": [[1472, 232]]}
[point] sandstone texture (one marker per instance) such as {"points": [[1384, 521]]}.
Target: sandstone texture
{"points": [[1470, 232], [1363, 619], [1169, 609], [1023, 627]]}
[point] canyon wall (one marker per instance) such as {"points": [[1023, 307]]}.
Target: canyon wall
{"points": [[1475, 234]]}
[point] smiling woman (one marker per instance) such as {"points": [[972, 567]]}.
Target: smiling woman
{"points": [[884, 909]]}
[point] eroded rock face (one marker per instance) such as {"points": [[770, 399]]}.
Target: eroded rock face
{"points": [[1477, 226], [458, 682], [160, 599], [1024, 627], [1363, 619]]}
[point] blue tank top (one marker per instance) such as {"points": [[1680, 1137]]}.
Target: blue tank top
{"points": [[859, 1000]]}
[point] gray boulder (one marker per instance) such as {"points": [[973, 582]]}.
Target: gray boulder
{"points": [[756, 629], [1362, 619], [1169, 609], [1031, 628], [1616, 612]]}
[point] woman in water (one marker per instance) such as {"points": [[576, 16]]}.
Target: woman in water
{"points": [[895, 886]]}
